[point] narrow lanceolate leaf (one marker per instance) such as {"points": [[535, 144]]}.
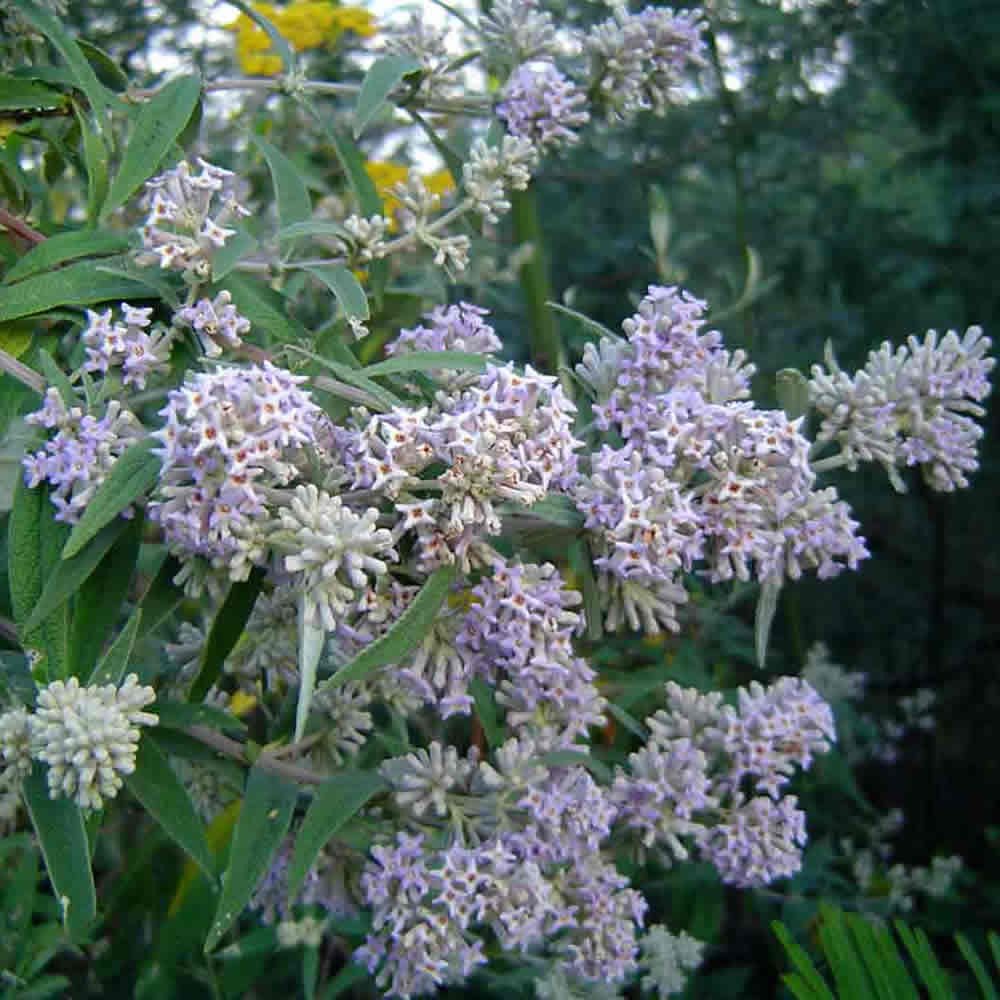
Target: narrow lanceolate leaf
{"points": [[24, 532], [267, 311], [265, 816], [65, 247], [792, 388], [486, 711], [334, 803], [50, 26], [96, 157], [405, 635], [34, 541], [294, 204], [226, 630], [99, 599], [380, 81], [161, 793], [161, 597], [158, 124], [129, 479], [428, 361], [68, 575], [311, 639], [63, 839], [767, 605], [79, 284], [112, 666], [582, 564], [339, 279]]}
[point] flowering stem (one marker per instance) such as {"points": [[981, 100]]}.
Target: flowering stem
{"points": [[267, 761], [414, 236], [30, 378]]}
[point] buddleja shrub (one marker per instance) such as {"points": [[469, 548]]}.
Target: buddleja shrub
{"points": [[294, 603]]}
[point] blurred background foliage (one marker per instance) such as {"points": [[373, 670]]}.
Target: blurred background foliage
{"points": [[848, 155]]}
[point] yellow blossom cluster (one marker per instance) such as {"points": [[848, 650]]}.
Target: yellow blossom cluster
{"points": [[305, 24], [386, 175]]}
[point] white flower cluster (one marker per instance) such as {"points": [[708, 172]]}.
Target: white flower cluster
{"points": [[493, 170], [668, 959], [88, 736]]}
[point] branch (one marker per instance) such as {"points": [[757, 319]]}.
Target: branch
{"points": [[267, 761]]}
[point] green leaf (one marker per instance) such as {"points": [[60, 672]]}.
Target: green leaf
{"points": [[767, 605], [334, 803], [63, 247], [344, 980], [294, 204], [264, 308], [238, 246], [382, 78], [34, 538], [96, 157], [80, 284], [382, 399], [86, 79], [582, 565], [226, 630], [63, 840], [112, 666], [569, 758], [808, 983], [486, 711], [311, 640], [312, 227], [411, 629], [792, 388], [599, 329], [26, 95], [341, 281], [428, 361], [978, 968], [158, 124], [264, 820], [161, 793], [99, 599], [135, 472], [161, 597], [68, 575], [24, 535]]}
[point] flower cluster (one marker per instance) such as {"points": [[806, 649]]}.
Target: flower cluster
{"points": [[79, 457], [704, 480], [216, 322], [714, 775], [188, 219], [128, 344], [539, 104], [910, 406], [639, 59], [305, 24], [492, 171], [227, 437], [88, 736]]}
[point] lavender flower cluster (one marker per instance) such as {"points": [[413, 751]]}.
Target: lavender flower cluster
{"points": [[710, 778], [704, 480]]}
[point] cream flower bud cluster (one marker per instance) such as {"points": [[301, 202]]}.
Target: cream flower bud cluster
{"points": [[494, 170], [88, 736]]}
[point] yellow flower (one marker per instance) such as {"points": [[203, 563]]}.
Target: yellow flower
{"points": [[386, 175], [356, 19], [305, 24]]}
